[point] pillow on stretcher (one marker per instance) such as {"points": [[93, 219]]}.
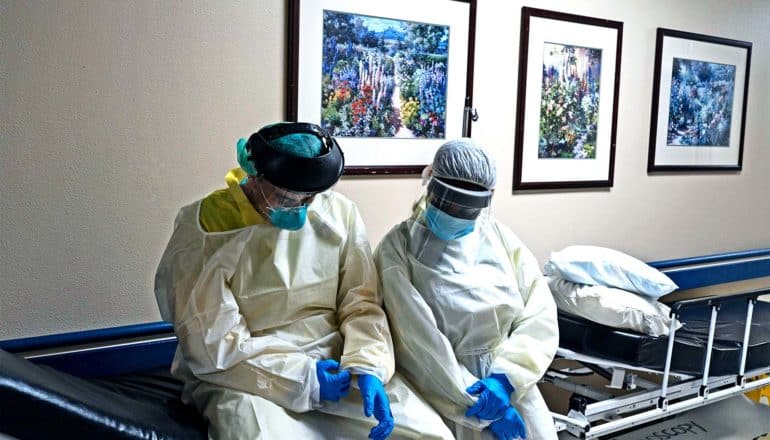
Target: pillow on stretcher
{"points": [[612, 307], [599, 266]]}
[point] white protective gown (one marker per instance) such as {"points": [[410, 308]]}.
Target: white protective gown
{"points": [[255, 307], [463, 309]]}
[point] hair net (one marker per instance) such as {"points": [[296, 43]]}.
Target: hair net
{"points": [[463, 159]]}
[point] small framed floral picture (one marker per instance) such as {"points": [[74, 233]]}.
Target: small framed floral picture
{"points": [[566, 120]]}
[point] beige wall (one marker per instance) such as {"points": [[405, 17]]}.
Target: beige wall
{"points": [[114, 114]]}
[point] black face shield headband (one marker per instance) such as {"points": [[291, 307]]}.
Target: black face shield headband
{"points": [[303, 174], [455, 201]]}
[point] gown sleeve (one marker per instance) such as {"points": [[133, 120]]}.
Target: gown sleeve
{"points": [[368, 346], [534, 337]]}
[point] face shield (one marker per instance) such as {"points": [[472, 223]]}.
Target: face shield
{"points": [[277, 197], [458, 202], [284, 208], [451, 212]]}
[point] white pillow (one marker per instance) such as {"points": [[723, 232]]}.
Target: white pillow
{"points": [[612, 307], [607, 267]]}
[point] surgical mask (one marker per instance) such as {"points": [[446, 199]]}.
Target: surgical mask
{"points": [[288, 218], [446, 227]]}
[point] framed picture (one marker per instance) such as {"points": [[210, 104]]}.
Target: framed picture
{"points": [[698, 102], [391, 81], [566, 116]]}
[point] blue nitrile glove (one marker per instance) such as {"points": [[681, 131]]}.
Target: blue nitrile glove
{"points": [[376, 402], [511, 426], [495, 397], [334, 384]]}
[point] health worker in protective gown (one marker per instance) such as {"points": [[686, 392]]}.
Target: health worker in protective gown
{"points": [[473, 320], [272, 291]]}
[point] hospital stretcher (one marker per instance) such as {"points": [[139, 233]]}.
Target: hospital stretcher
{"points": [[724, 341]]}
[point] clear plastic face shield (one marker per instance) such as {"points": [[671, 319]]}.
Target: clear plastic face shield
{"points": [[276, 197], [453, 207], [283, 208]]}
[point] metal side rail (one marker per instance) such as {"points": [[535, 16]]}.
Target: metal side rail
{"points": [[586, 430], [605, 409]]}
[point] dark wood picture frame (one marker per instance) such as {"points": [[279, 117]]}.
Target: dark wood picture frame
{"points": [[523, 120], [293, 87], [691, 158]]}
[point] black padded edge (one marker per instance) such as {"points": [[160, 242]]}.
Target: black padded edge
{"points": [[590, 338], [39, 402]]}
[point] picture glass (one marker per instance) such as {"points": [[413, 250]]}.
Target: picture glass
{"points": [[382, 77], [570, 102], [700, 110]]}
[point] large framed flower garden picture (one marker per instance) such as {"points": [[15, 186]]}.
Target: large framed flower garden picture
{"points": [[391, 81], [698, 102], [566, 117]]}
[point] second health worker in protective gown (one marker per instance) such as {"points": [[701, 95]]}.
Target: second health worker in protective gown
{"points": [[473, 320], [273, 294]]}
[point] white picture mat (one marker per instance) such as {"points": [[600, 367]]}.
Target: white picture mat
{"points": [[385, 151], [709, 52], [545, 30]]}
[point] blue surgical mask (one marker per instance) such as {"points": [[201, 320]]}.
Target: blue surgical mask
{"points": [[446, 227], [285, 217], [288, 218]]}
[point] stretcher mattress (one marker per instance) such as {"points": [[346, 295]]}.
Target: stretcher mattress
{"points": [[587, 337]]}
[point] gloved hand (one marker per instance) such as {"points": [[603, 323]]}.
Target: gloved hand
{"points": [[376, 402], [495, 397], [511, 426], [334, 386]]}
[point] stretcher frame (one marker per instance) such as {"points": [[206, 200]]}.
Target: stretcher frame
{"points": [[675, 394]]}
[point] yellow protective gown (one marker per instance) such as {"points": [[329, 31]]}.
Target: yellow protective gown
{"points": [[254, 308], [463, 309]]}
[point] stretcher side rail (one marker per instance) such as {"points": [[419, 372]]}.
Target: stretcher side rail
{"points": [[716, 300], [714, 303]]}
